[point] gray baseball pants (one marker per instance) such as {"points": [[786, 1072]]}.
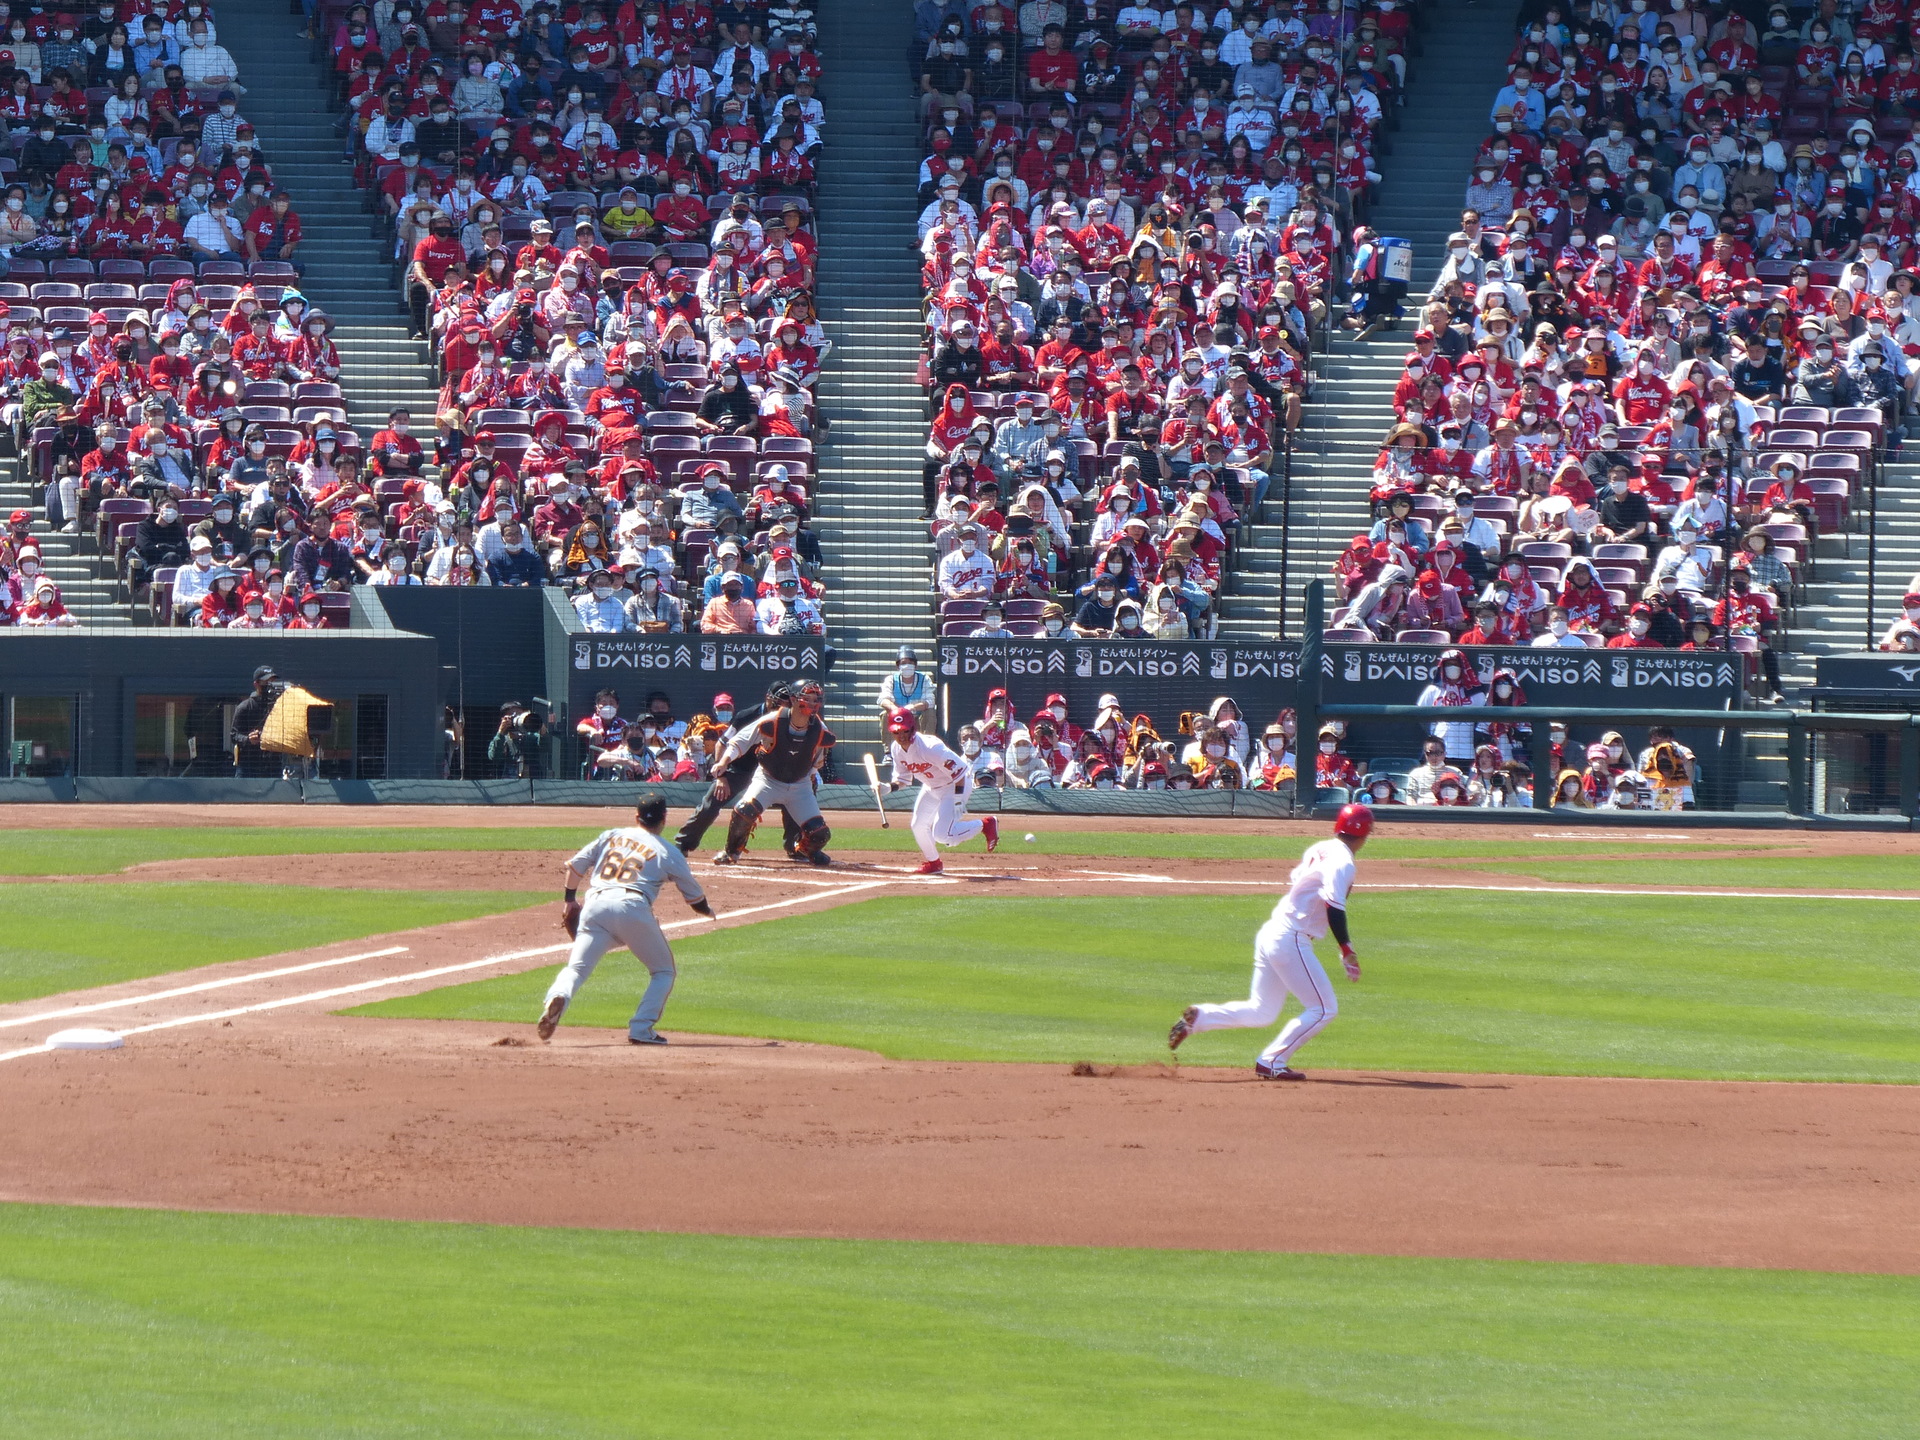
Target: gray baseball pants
{"points": [[614, 918]]}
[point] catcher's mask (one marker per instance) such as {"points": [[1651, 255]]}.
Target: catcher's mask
{"points": [[809, 694]]}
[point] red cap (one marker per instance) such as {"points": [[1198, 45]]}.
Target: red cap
{"points": [[1354, 822]]}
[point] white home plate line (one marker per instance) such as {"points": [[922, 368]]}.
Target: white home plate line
{"points": [[774, 873], [204, 985], [365, 985]]}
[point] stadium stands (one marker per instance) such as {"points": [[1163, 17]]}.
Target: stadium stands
{"points": [[1676, 351], [1136, 224]]}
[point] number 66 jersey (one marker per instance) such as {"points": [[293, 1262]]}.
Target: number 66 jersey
{"points": [[634, 860]]}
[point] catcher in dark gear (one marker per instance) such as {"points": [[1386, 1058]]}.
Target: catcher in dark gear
{"points": [[791, 743], [737, 776]]}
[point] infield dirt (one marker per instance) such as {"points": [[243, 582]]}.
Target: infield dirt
{"points": [[295, 1109]]}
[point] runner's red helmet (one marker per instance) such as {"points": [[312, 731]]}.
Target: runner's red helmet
{"points": [[1354, 822], [902, 723]]}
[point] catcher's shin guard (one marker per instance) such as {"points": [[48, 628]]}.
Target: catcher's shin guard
{"points": [[813, 842], [740, 827]]}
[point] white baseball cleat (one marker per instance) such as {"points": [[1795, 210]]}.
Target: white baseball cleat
{"points": [[550, 1017]]}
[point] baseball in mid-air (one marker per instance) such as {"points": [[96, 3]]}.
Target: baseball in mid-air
{"points": [[1031, 837]]}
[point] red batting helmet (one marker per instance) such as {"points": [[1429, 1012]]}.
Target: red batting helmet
{"points": [[1354, 822], [902, 723]]}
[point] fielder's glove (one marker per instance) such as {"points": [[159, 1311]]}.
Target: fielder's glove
{"points": [[570, 918]]}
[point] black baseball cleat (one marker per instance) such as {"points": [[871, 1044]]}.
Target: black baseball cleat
{"points": [[550, 1017], [817, 857], [652, 1037], [1183, 1027], [1277, 1072]]}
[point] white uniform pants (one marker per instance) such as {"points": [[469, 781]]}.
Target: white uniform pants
{"points": [[940, 818], [1283, 964], [612, 918]]}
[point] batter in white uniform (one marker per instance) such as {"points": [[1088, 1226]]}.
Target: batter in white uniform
{"points": [[624, 870], [940, 812], [1283, 958]]}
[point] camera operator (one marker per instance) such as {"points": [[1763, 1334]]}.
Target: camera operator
{"points": [[521, 330], [249, 719], [518, 747]]}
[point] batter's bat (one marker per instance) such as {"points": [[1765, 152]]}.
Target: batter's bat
{"points": [[879, 800]]}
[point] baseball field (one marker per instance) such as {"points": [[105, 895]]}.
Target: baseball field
{"points": [[1614, 1137]]}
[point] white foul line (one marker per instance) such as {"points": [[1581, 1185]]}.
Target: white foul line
{"points": [[365, 985], [1097, 877], [175, 994], [1569, 890]]}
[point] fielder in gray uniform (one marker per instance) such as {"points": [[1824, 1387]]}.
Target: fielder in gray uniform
{"points": [[624, 870]]}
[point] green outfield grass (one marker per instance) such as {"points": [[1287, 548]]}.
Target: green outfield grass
{"points": [[70, 937], [181, 1327], [100, 852], [1765, 872], [1555, 984]]}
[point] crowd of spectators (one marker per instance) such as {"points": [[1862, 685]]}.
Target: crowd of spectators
{"points": [[1674, 334], [1134, 225], [604, 218], [149, 303], [1486, 764]]}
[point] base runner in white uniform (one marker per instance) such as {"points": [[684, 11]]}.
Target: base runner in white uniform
{"points": [[1283, 959], [624, 870], [940, 813]]}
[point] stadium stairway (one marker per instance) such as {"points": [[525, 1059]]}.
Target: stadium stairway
{"points": [[349, 272], [1452, 81], [868, 507]]}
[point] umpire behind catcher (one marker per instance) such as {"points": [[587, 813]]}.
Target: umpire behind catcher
{"points": [[736, 776], [624, 870]]}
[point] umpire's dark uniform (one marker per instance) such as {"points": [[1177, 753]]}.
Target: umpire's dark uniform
{"points": [[738, 776]]}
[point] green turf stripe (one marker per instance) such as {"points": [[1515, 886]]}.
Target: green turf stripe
{"points": [[74, 937], [97, 852], [151, 1324], [1759, 872], [1549, 983]]}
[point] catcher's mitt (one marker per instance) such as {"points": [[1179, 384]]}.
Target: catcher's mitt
{"points": [[570, 918]]}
